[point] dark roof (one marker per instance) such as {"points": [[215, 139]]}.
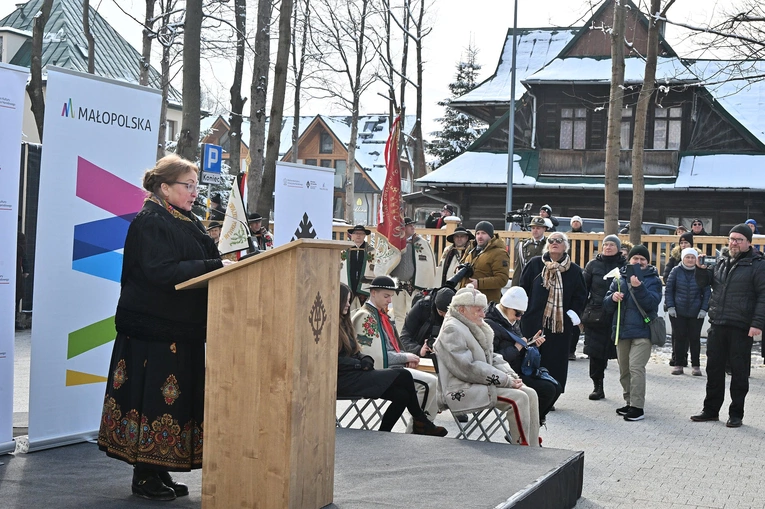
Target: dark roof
{"points": [[65, 44]]}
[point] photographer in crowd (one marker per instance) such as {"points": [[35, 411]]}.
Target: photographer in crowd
{"points": [[736, 315], [423, 321], [489, 261], [545, 212], [453, 254]]}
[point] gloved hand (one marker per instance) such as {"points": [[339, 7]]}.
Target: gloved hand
{"points": [[575, 320], [367, 363], [672, 312], [702, 314]]}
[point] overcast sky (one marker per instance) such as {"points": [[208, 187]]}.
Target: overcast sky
{"points": [[455, 24]]}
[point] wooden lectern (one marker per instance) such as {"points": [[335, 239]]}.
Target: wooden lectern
{"points": [[272, 329]]}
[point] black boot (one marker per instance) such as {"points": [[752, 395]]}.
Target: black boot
{"points": [[425, 427], [180, 489], [147, 484], [597, 393]]}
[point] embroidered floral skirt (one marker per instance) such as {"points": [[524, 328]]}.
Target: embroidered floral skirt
{"points": [[153, 409]]}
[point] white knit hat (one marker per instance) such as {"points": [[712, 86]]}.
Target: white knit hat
{"points": [[469, 296], [689, 251], [515, 298], [575, 218]]}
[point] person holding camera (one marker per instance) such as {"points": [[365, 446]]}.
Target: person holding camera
{"points": [[436, 219], [530, 248], [687, 305], [453, 254], [489, 261], [736, 315], [423, 321]]}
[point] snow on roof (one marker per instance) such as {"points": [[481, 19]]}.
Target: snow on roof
{"points": [[728, 84], [477, 169], [598, 70], [721, 171], [535, 47]]}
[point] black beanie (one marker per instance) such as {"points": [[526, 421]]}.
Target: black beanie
{"points": [[641, 250], [743, 229], [688, 236], [444, 298], [487, 227]]}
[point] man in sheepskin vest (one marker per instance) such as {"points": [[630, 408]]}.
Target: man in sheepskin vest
{"points": [[472, 377]]}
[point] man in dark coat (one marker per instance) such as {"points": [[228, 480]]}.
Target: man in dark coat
{"points": [[736, 315], [529, 248], [357, 269], [423, 321], [217, 212]]}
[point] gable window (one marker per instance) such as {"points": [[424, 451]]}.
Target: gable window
{"points": [[325, 143], [311, 162], [626, 128], [340, 166], [573, 128], [667, 127]]}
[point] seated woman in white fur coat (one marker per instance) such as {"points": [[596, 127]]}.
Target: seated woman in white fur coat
{"points": [[472, 377]]}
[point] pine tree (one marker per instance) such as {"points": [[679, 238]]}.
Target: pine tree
{"points": [[458, 129]]}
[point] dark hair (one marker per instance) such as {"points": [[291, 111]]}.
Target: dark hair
{"points": [[167, 170], [346, 344]]}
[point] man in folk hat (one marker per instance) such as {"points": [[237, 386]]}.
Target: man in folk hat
{"points": [[490, 262], [213, 230], [416, 270], [376, 335], [217, 212], [358, 265], [530, 248], [453, 254], [263, 238]]}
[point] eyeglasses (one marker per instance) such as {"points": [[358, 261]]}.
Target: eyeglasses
{"points": [[736, 240], [190, 186], [518, 313], [697, 224], [555, 240]]}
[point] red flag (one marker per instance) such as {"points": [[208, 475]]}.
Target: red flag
{"points": [[390, 220]]}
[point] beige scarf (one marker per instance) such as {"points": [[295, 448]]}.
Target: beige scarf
{"points": [[552, 279]]}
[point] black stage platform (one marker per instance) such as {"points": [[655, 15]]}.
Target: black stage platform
{"points": [[372, 469]]}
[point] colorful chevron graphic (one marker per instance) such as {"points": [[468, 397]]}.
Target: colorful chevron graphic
{"points": [[96, 251]]}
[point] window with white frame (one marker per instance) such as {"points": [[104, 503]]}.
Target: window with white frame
{"points": [[626, 128], [573, 128], [667, 128]]}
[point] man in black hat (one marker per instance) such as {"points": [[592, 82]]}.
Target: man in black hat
{"points": [[737, 315], [545, 212], [453, 254], [263, 238], [358, 265], [416, 270], [217, 212], [377, 337], [436, 219], [529, 248], [213, 230]]}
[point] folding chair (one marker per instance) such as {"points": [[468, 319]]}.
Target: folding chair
{"points": [[484, 424], [368, 413]]}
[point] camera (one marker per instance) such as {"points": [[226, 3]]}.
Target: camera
{"points": [[709, 261], [521, 217], [463, 270]]}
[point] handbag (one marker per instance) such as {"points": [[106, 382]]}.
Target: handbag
{"points": [[656, 324], [594, 315]]}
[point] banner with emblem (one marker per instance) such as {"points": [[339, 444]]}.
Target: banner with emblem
{"points": [[13, 81], [100, 138], [234, 233], [390, 239], [302, 202]]}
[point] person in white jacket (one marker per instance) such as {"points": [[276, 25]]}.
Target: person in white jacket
{"points": [[472, 377]]}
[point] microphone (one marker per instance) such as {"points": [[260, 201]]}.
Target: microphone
{"points": [[252, 249]]}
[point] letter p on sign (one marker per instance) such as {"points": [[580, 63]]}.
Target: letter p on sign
{"points": [[211, 158]]}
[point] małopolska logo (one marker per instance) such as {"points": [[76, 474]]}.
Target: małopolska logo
{"points": [[105, 117]]}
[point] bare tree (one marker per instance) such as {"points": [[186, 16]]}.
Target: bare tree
{"points": [[301, 27], [89, 36], [147, 36], [34, 87], [266, 198], [615, 102], [189, 138], [258, 95], [342, 26], [237, 101], [418, 143]]}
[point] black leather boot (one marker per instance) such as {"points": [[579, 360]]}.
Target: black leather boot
{"points": [[597, 393], [147, 484], [425, 427], [180, 489]]}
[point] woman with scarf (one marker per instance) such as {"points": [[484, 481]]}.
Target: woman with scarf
{"points": [[557, 295], [153, 408]]}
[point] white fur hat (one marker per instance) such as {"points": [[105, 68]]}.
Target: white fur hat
{"points": [[689, 251], [469, 296], [515, 298]]}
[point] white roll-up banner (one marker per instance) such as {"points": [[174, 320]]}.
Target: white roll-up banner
{"points": [[302, 202], [100, 136], [13, 81]]}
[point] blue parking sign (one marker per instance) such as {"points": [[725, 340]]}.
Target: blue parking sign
{"points": [[212, 158]]}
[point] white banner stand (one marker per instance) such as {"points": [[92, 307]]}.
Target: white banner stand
{"points": [[302, 202]]}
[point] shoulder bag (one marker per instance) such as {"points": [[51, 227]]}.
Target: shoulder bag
{"points": [[656, 323]]}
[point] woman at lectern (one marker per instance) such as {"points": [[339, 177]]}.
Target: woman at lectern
{"points": [[153, 409], [358, 378]]}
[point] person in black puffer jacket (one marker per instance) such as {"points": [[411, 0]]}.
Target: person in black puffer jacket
{"points": [[687, 305], [736, 315], [598, 344], [631, 332], [504, 319]]}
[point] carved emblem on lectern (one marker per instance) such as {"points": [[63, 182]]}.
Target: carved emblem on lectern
{"points": [[317, 317]]}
